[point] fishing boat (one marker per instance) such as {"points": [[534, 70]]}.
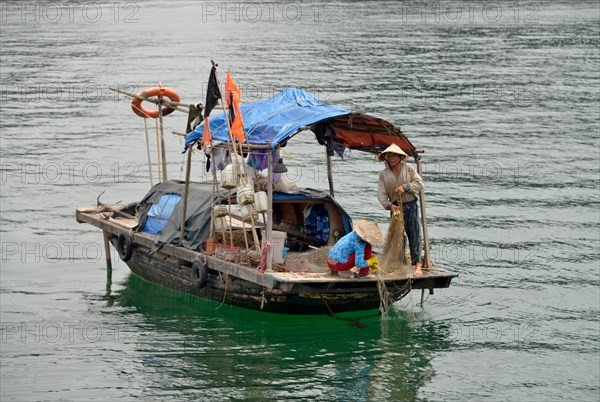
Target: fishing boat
{"points": [[246, 239]]}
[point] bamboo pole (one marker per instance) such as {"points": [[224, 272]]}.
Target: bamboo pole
{"points": [[163, 148], [211, 236], [330, 177], [186, 193], [107, 250], [254, 234], [237, 165], [230, 223], [148, 150], [158, 162], [426, 252], [244, 176], [231, 140], [215, 187], [329, 168], [269, 222], [231, 136]]}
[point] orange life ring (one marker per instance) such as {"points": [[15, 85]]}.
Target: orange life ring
{"points": [[136, 103]]}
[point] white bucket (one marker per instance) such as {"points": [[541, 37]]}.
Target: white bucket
{"points": [[229, 177], [245, 195], [260, 202], [278, 243]]}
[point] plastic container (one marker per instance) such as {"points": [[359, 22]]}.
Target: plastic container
{"points": [[245, 195], [261, 202], [209, 246], [278, 243], [228, 253], [229, 177]]}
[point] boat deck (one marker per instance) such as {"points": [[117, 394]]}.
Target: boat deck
{"points": [[313, 273]]}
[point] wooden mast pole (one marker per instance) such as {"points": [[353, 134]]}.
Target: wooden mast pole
{"points": [[148, 150], [427, 259], [107, 250], [158, 161], [329, 167], [186, 191], [233, 143], [163, 150], [270, 208]]}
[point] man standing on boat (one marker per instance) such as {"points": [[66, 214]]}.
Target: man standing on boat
{"points": [[399, 184]]}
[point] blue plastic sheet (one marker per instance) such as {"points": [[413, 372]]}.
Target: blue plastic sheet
{"points": [[160, 213], [271, 121]]}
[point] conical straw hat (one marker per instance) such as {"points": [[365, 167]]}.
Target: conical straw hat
{"points": [[368, 231], [395, 149]]}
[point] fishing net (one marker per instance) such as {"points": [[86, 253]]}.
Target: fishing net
{"points": [[392, 262], [393, 258]]}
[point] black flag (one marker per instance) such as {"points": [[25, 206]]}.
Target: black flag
{"points": [[213, 93]]}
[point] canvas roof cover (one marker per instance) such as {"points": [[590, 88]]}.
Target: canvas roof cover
{"points": [[274, 120]]}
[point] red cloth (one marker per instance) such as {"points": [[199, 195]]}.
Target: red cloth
{"points": [[206, 137], [233, 95], [345, 266]]}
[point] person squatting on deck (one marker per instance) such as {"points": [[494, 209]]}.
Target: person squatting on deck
{"points": [[400, 181], [353, 251]]}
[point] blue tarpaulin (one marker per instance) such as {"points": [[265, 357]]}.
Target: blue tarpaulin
{"points": [[273, 120], [160, 213]]}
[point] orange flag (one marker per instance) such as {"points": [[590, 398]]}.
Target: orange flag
{"points": [[206, 137], [233, 95]]}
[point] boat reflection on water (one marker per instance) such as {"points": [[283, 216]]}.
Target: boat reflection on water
{"points": [[204, 349]]}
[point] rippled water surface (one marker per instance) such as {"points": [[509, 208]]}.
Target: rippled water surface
{"points": [[504, 99]]}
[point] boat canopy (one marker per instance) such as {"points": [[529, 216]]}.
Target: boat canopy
{"points": [[273, 121]]}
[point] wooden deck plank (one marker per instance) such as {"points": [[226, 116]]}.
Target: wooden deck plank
{"points": [[113, 227], [268, 279], [304, 277]]}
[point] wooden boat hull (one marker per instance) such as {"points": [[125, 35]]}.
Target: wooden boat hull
{"points": [[228, 282], [301, 298]]}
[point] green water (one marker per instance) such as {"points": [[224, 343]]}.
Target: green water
{"points": [[221, 351], [505, 99]]}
